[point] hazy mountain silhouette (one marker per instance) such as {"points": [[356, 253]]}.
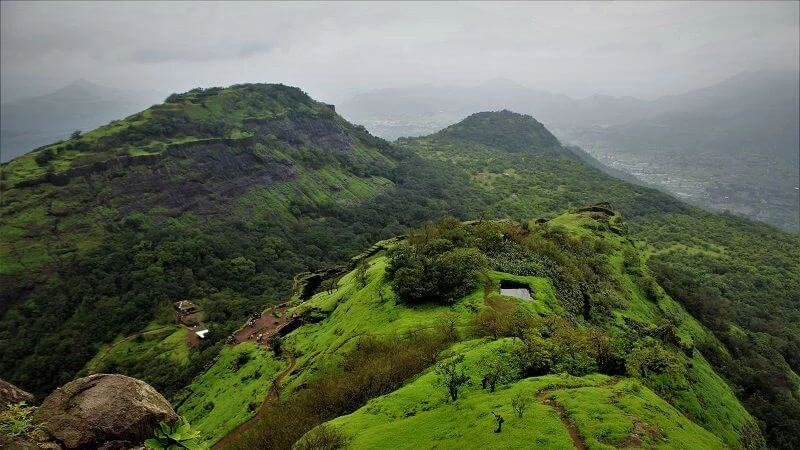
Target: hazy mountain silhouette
{"points": [[81, 105]]}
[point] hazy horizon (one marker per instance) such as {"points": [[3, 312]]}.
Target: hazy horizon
{"points": [[644, 50]]}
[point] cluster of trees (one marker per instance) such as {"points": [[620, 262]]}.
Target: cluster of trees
{"points": [[434, 271], [555, 344], [441, 262]]}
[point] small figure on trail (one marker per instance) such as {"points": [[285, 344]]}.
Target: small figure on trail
{"points": [[499, 420]]}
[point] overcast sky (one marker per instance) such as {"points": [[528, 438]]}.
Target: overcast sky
{"points": [[333, 50]]}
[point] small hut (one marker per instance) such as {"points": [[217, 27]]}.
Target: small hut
{"points": [[516, 289], [186, 307]]}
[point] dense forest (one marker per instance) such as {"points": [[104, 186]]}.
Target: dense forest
{"points": [[222, 196]]}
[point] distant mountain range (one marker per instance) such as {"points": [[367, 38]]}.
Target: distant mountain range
{"points": [[731, 146], [82, 105]]}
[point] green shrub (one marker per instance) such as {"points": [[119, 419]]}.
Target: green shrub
{"points": [[498, 368], [17, 420], [649, 358], [451, 376], [519, 403], [45, 156], [179, 436], [323, 437]]}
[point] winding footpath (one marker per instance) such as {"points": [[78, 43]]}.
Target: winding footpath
{"points": [[577, 440], [268, 323], [574, 434], [272, 396]]}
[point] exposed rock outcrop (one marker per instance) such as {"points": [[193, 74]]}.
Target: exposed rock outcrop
{"points": [[102, 410], [12, 394]]}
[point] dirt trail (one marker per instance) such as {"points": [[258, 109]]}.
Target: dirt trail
{"points": [[274, 393], [577, 440], [266, 325]]}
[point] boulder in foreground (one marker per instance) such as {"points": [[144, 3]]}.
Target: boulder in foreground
{"points": [[103, 408]]}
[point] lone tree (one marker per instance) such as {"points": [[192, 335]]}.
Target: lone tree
{"points": [[499, 420], [75, 134], [452, 376], [519, 403], [361, 272], [498, 370], [330, 284], [44, 157]]}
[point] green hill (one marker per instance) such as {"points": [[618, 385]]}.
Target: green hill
{"points": [[739, 278], [505, 130], [619, 368], [221, 196]]}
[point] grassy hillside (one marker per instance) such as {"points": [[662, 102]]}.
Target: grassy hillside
{"points": [[605, 412], [622, 369], [229, 392], [220, 196], [740, 278]]}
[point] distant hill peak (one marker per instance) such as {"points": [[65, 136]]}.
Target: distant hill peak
{"points": [[506, 130]]}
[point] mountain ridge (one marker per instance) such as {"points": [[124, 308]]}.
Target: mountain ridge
{"points": [[241, 188], [370, 309], [732, 146]]}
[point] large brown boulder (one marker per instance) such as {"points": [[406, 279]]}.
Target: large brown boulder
{"points": [[90, 411], [12, 394]]}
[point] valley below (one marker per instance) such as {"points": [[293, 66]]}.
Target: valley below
{"points": [[751, 186]]}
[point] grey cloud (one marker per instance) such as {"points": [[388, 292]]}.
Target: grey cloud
{"points": [[218, 51], [336, 49]]}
